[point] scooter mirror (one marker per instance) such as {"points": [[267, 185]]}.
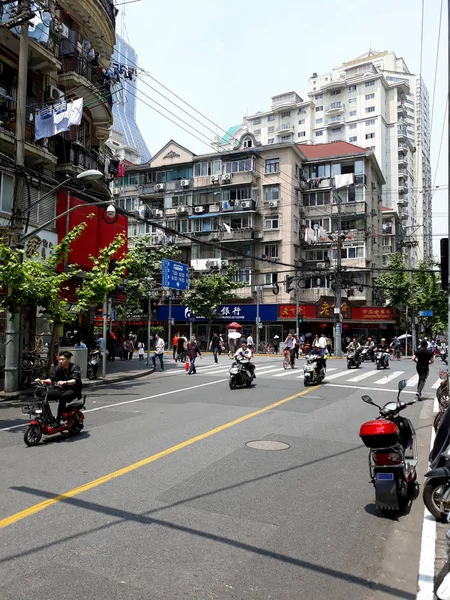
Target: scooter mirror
{"points": [[401, 385], [367, 399]]}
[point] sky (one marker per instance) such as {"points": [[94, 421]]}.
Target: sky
{"points": [[227, 59]]}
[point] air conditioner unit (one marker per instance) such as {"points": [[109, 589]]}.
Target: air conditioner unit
{"points": [[246, 204], [185, 182], [258, 235], [53, 93], [61, 29], [212, 264], [156, 212], [225, 263], [273, 204], [199, 209], [321, 265], [215, 179], [159, 187], [226, 178], [226, 205], [214, 237], [157, 238], [182, 210], [116, 192]]}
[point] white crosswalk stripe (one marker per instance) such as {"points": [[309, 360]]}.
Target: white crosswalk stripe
{"points": [[336, 375], [413, 381], [389, 378], [363, 376], [436, 385]]}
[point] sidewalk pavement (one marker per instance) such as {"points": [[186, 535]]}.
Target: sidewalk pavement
{"points": [[119, 370]]}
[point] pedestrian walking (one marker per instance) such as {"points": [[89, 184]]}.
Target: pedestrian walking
{"points": [[181, 348], [423, 358], [250, 344], [296, 346], [175, 345], [130, 348], [276, 343], [192, 352], [141, 351], [214, 346], [159, 352]]}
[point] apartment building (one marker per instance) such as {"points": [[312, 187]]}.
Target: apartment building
{"points": [[375, 102], [270, 210]]}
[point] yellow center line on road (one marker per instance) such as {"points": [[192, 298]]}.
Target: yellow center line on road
{"points": [[32, 510]]}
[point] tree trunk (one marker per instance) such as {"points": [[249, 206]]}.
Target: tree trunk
{"points": [[52, 344]]}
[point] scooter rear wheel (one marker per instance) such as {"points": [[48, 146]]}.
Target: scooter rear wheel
{"points": [[232, 383], [33, 435], [76, 427], [432, 498]]}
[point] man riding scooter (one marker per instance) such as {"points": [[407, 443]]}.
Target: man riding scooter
{"points": [[244, 352], [383, 347]]}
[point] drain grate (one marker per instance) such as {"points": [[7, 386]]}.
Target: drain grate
{"points": [[267, 445]]}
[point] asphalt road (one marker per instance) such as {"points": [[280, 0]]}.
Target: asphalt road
{"points": [[160, 498]]}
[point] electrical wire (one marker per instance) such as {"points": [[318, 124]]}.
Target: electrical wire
{"points": [[436, 67], [440, 144]]}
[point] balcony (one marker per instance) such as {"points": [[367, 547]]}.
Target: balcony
{"points": [[402, 160], [238, 235], [401, 130], [401, 109], [98, 19], [150, 189], [73, 157], [83, 79], [336, 120], [240, 178], [40, 152], [208, 264], [403, 148], [285, 128], [335, 107]]}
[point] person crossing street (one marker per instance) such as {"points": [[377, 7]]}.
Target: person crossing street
{"points": [[423, 358], [214, 345]]}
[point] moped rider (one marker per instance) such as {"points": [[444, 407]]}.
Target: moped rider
{"points": [[68, 384], [354, 346], [244, 352], [383, 347]]}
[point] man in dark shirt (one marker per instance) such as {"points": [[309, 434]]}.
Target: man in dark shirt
{"points": [[67, 378], [423, 359], [214, 345]]}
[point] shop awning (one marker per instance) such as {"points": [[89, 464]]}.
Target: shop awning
{"points": [[204, 216]]}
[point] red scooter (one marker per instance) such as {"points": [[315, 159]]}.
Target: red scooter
{"points": [[42, 417], [393, 453]]}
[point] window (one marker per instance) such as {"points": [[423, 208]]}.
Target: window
{"points": [[301, 134], [270, 129], [285, 113], [370, 122], [320, 170], [271, 118], [257, 132], [271, 250], [317, 255], [352, 139], [319, 108], [370, 83], [316, 199], [133, 179], [352, 88], [370, 109], [237, 166], [248, 143], [356, 251], [353, 126], [272, 165], [335, 129], [271, 192], [319, 121], [286, 138], [319, 224], [370, 136], [318, 281], [352, 113], [319, 133], [352, 100], [335, 92], [6, 192], [130, 204], [270, 140], [201, 169], [256, 121], [370, 96], [243, 275], [318, 96], [270, 278], [271, 223], [244, 193], [176, 201], [372, 148], [301, 121]]}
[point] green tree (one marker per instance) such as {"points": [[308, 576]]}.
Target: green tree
{"points": [[427, 294], [394, 284], [143, 275], [206, 292]]}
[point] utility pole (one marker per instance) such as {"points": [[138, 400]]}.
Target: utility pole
{"points": [[337, 279], [104, 335], [258, 319], [297, 303], [169, 328], [13, 321], [149, 316]]}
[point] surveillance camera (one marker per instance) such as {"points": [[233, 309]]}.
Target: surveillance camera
{"points": [[111, 211]]}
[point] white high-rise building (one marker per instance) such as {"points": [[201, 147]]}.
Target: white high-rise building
{"points": [[375, 102]]}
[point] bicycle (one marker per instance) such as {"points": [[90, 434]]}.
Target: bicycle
{"points": [[288, 359]]}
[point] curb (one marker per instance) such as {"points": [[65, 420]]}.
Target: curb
{"points": [[9, 396]]}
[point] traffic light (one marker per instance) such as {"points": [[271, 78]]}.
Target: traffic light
{"points": [[300, 317], [153, 304], [289, 283], [444, 263]]}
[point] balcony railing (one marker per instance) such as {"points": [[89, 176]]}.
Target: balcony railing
{"points": [[8, 123], [335, 107], [111, 11], [83, 67], [73, 153]]}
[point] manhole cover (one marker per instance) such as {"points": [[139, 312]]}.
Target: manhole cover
{"points": [[267, 445]]}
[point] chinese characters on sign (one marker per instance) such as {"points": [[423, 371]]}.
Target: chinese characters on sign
{"points": [[325, 308], [375, 314], [227, 311]]}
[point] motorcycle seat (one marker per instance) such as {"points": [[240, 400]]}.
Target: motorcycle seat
{"points": [[76, 404]]}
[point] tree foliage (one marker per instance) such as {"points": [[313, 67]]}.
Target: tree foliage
{"points": [[144, 273], [394, 284], [208, 291], [427, 294]]}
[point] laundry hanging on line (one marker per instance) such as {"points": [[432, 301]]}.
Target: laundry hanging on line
{"points": [[59, 120]]}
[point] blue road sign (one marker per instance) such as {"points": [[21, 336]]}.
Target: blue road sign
{"points": [[425, 313], [175, 275]]}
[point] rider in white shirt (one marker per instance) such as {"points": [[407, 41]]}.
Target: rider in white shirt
{"points": [[246, 353]]}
